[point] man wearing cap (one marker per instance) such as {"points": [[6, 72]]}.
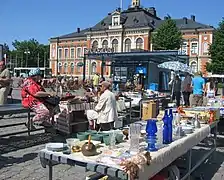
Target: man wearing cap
{"points": [[105, 111], [5, 80]]}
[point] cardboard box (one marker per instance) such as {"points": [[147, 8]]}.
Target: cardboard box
{"points": [[149, 110]]}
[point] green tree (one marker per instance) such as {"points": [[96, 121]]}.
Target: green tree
{"points": [[216, 51], [167, 36], [30, 53]]}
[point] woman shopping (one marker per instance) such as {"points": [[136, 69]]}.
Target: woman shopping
{"points": [[210, 88], [34, 97]]}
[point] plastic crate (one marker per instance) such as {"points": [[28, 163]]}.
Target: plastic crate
{"points": [[153, 86]]}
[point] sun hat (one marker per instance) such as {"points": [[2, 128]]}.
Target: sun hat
{"points": [[34, 72]]}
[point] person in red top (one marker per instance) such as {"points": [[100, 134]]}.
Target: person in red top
{"points": [[33, 97]]}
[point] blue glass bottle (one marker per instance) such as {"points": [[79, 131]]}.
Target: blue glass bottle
{"points": [[151, 130], [170, 126], [165, 128]]}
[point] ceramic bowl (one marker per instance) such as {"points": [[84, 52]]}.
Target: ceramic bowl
{"points": [[119, 138], [82, 136], [106, 140], [97, 137]]}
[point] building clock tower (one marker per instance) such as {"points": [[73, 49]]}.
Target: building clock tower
{"points": [[135, 3]]}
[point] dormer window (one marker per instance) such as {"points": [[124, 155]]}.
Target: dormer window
{"points": [[116, 21]]}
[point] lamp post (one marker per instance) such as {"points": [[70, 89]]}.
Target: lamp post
{"points": [[27, 52], [57, 57]]}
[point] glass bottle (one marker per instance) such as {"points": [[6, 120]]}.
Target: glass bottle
{"points": [[165, 128]]}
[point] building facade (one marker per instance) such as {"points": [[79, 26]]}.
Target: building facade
{"points": [[124, 31]]}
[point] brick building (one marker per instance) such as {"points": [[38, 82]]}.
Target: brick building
{"points": [[124, 31]]}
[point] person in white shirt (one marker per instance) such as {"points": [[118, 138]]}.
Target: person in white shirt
{"points": [[210, 88], [105, 112]]}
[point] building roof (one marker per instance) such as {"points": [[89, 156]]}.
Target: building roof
{"points": [[137, 18]]}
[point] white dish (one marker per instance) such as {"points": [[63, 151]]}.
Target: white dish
{"points": [[72, 141], [55, 146], [187, 129]]}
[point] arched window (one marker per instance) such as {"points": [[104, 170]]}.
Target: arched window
{"points": [[205, 47], [60, 67], [194, 67], [139, 43], [115, 45], [105, 44], [127, 45], [95, 45], [93, 67], [65, 68], [79, 67], [72, 66]]}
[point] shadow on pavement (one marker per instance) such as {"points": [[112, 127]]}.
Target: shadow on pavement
{"points": [[10, 161], [14, 143]]}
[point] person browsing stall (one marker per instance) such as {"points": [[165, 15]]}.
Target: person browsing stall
{"points": [[105, 112], [198, 84], [5, 80], [33, 95]]}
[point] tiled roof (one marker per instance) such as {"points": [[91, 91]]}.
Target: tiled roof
{"points": [[137, 18]]}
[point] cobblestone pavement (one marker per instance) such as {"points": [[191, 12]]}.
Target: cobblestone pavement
{"points": [[19, 157]]}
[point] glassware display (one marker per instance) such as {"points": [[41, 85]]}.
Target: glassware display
{"points": [[165, 128], [151, 130], [170, 126]]}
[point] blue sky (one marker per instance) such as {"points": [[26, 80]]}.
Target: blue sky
{"points": [[42, 19]]}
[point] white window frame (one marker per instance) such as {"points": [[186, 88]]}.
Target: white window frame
{"points": [[60, 49], [92, 72], [195, 50], [205, 51], [77, 52], [84, 49], [59, 66], [117, 45], [118, 20], [65, 69], [72, 65], [195, 69], [184, 47], [65, 53], [71, 53]]}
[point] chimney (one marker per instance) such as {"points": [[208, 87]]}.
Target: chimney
{"points": [[78, 30], [193, 17], [152, 11], [185, 20]]}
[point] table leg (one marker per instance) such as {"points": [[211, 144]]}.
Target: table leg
{"points": [[50, 171], [189, 163], [29, 123], [130, 112]]}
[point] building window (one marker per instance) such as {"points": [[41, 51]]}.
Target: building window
{"points": [[79, 67], [183, 50], [72, 66], [59, 53], [85, 51], [205, 48], [66, 53], [95, 45], [116, 21], [139, 43], [60, 67], [72, 53], [115, 45], [127, 45], [65, 68], [93, 68], [105, 44], [194, 48], [194, 67], [79, 52]]}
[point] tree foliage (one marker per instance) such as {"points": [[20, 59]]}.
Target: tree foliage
{"points": [[167, 37], [216, 51], [30, 53]]}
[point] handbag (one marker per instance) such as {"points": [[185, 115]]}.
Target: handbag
{"points": [[53, 101]]}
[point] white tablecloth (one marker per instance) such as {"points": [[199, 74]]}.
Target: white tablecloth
{"points": [[161, 158]]}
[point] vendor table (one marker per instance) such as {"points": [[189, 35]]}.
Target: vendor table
{"points": [[160, 159], [9, 109]]}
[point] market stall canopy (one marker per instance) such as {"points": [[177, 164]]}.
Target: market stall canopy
{"points": [[136, 57], [176, 66]]}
